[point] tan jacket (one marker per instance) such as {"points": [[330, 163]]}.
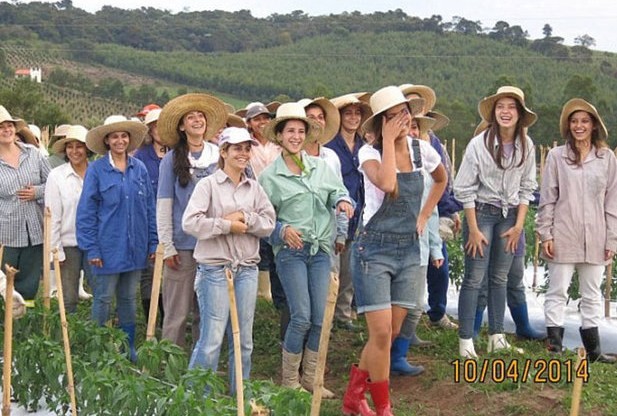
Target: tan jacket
{"points": [[578, 206]]}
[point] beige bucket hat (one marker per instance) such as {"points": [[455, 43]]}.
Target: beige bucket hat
{"points": [[430, 98], [73, 133], [354, 99], [171, 116], [486, 104], [389, 97], [95, 137], [292, 111], [441, 120], [5, 116], [333, 118], [578, 104]]}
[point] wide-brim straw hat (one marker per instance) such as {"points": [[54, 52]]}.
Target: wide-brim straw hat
{"points": [[5, 116], [441, 120], [213, 109], [235, 121], [425, 124], [28, 136], [292, 111], [74, 133], [333, 118], [430, 98], [578, 104], [389, 97], [354, 99], [485, 106], [95, 139]]}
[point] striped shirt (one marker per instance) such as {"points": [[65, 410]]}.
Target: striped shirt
{"points": [[479, 179], [21, 222]]}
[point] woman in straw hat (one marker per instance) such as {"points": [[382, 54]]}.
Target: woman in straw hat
{"points": [[62, 193], [185, 125], [228, 213], [577, 222], [23, 173], [386, 254], [346, 144], [495, 183], [116, 224], [304, 192]]}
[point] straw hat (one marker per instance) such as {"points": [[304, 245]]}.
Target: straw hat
{"points": [[424, 124], [389, 97], [441, 120], [292, 111], [171, 116], [135, 129], [333, 118], [353, 99], [74, 133], [28, 136], [235, 121], [578, 104], [430, 98], [5, 116], [59, 132], [485, 107], [483, 125]]}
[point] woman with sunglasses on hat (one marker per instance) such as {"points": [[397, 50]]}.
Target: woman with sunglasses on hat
{"points": [[386, 254], [577, 222], [228, 213], [185, 125], [495, 183], [62, 193], [116, 224], [23, 173], [304, 192]]}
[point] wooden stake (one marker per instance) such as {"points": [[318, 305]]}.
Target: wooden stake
{"points": [[235, 330], [8, 340], [607, 289], [156, 290], [65, 334], [578, 384], [453, 157], [324, 339], [46, 257]]}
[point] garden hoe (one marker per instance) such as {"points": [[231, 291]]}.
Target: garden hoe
{"points": [[323, 344], [156, 290], [235, 329], [65, 334]]}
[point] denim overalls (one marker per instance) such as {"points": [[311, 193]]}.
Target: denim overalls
{"points": [[386, 251]]}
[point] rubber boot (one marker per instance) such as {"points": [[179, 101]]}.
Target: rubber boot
{"points": [[398, 359], [290, 376], [554, 339], [354, 400], [309, 363], [380, 393], [520, 316], [477, 323], [263, 286], [129, 330], [591, 341]]}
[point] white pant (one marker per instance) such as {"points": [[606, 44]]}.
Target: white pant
{"points": [[589, 278]]}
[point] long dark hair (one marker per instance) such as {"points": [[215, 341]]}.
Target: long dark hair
{"points": [[491, 136], [596, 141], [181, 165]]}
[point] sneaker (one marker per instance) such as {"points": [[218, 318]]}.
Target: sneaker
{"points": [[444, 323]]}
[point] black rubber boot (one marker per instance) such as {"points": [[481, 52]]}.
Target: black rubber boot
{"points": [[554, 338], [591, 341]]}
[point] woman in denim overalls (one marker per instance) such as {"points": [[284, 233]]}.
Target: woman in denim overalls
{"points": [[386, 252]]}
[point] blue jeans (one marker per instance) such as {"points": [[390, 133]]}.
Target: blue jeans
{"points": [[305, 279], [495, 264], [215, 321], [438, 280], [124, 287], [515, 293]]}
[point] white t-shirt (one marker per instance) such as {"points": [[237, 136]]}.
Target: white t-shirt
{"points": [[373, 196]]}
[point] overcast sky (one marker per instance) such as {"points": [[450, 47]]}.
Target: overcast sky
{"points": [[568, 18]]}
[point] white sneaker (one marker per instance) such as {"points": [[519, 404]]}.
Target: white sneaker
{"points": [[444, 323], [466, 348], [499, 342]]}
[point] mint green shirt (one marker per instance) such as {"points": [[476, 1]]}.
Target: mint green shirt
{"points": [[305, 201]]}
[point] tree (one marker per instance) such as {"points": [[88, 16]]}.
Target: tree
{"points": [[581, 87], [585, 41], [547, 30]]}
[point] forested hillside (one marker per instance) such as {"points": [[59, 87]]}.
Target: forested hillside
{"points": [[152, 55]]}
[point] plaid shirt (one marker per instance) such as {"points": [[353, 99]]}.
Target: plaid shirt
{"points": [[21, 222]]}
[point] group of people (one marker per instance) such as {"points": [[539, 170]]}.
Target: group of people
{"points": [[284, 195]]}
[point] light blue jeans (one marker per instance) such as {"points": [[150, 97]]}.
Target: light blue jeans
{"points": [[215, 321], [305, 279], [124, 287], [495, 265]]}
